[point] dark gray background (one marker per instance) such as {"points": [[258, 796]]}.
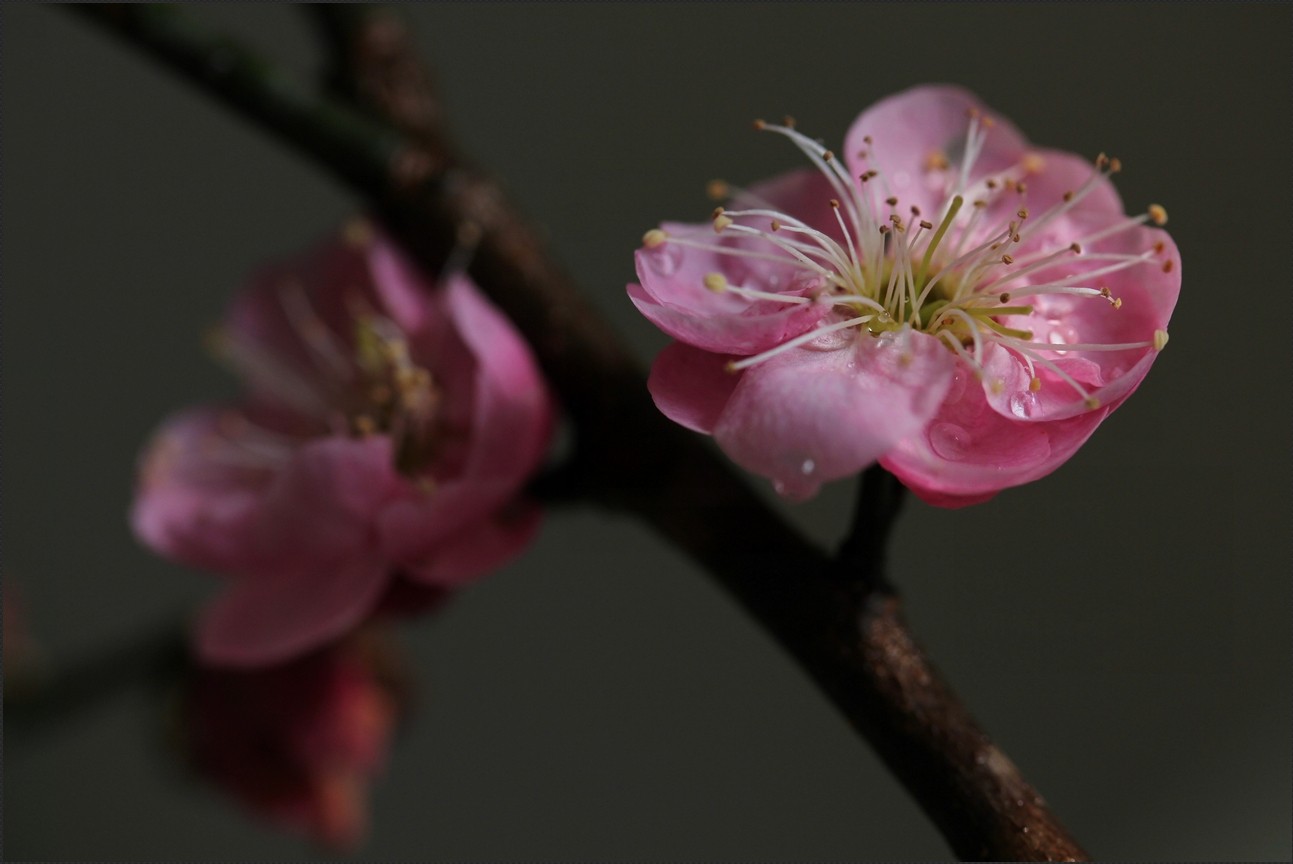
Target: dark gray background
{"points": [[1122, 627]]}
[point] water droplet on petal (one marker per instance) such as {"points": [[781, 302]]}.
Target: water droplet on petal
{"points": [[807, 467], [949, 441], [1023, 404], [665, 259]]}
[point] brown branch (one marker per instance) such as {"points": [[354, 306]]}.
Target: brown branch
{"points": [[855, 644]]}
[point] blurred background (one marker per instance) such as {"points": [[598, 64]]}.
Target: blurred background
{"points": [[1121, 628]]}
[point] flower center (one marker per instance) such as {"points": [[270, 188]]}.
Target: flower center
{"points": [[368, 385], [966, 274]]}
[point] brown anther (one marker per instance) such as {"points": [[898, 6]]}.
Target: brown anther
{"points": [[1101, 161], [1021, 187], [1034, 384], [1022, 213], [717, 190], [716, 212], [988, 122], [1075, 248], [915, 211], [788, 122], [1159, 247], [866, 139], [1167, 266], [365, 425], [1068, 196], [1115, 165], [971, 112], [1014, 238], [1004, 298], [895, 219], [776, 226], [1105, 292], [861, 154], [835, 203], [979, 202], [937, 161], [1006, 259], [892, 201], [926, 224], [760, 125], [991, 183], [827, 156], [1158, 214], [884, 229], [380, 394]]}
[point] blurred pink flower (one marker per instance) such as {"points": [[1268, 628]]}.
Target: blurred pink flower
{"points": [[299, 743], [945, 299], [387, 431]]}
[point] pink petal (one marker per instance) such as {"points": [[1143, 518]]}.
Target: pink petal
{"points": [[327, 500], [1148, 294], [809, 416], [908, 128], [274, 616], [969, 452], [404, 293], [199, 499], [691, 387], [673, 296], [486, 546]]}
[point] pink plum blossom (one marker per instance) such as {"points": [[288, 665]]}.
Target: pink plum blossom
{"points": [[387, 430], [299, 743], [941, 297]]}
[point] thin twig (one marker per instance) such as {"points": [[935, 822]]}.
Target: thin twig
{"points": [[858, 649]]}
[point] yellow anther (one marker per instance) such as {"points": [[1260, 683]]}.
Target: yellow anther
{"points": [[717, 190], [1115, 165], [654, 238], [721, 222], [716, 282], [997, 386], [1117, 302], [1034, 384], [1160, 340], [776, 226], [937, 161], [1158, 214], [1091, 403], [1033, 163]]}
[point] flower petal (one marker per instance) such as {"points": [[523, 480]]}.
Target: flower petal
{"points": [[691, 387], [809, 416], [968, 452], [672, 293], [199, 495], [270, 617], [909, 133], [486, 546]]}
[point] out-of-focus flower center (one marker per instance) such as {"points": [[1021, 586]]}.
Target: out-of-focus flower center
{"points": [[966, 274], [361, 386]]}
